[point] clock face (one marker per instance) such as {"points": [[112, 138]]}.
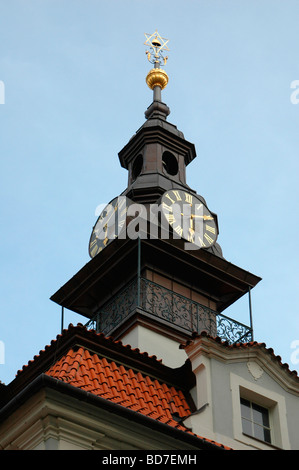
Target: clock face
{"points": [[110, 224], [189, 218]]}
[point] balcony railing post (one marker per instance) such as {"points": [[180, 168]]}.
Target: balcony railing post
{"points": [[98, 322], [250, 311], [62, 318], [138, 272]]}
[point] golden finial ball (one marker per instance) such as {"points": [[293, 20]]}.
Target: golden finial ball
{"points": [[157, 77]]}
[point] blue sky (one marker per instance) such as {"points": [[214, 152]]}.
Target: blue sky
{"points": [[75, 92]]}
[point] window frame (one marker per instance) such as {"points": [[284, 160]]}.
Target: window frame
{"points": [[274, 402], [254, 425]]}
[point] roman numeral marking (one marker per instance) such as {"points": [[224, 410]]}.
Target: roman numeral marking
{"points": [[201, 242], [210, 229], [191, 237], [188, 198], [93, 252], [172, 200], [170, 218], [177, 195], [208, 238], [178, 230], [93, 243]]}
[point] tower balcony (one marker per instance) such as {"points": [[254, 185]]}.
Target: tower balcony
{"points": [[168, 309]]}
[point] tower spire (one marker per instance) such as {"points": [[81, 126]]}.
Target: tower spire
{"points": [[157, 78]]}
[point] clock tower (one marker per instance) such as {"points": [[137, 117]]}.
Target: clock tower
{"points": [[157, 273]]}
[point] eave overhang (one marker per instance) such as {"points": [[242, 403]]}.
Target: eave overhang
{"points": [[104, 275]]}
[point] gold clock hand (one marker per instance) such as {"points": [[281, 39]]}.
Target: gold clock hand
{"points": [[186, 215], [205, 217]]}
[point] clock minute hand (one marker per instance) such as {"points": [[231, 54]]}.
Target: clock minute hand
{"points": [[205, 217]]}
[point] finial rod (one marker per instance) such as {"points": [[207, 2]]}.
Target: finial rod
{"points": [[157, 94]]}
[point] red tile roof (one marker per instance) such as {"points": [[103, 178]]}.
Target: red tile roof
{"points": [[123, 375], [110, 370], [131, 389], [122, 385]]}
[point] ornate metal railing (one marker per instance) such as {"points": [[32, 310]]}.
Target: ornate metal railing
{"points": [[169, 307], [233, 331]]}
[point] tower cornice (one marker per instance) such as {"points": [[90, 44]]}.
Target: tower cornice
{"points": [[160, 132]]}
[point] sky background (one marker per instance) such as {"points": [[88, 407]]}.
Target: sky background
{"points": [[75, 93]]}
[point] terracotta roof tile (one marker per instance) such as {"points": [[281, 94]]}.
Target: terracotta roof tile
{"points": [[122, 385], [111, 379]]}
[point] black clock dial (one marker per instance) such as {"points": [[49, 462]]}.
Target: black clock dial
{"points": [[189, 218], [109, 225]]}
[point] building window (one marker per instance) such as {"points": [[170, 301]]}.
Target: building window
{"points": [[274, 425], [170, 163], [137, 167], [255, 421]]}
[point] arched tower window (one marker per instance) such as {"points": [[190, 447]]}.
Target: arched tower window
{"points": [[170, 164], [137, 167]]}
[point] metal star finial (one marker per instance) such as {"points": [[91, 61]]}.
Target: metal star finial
{"points": [[157, 47]]}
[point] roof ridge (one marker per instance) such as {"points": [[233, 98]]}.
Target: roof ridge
{"points": [[105, 346], [80, 327]]}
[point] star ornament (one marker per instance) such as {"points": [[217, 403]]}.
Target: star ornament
{"points": [[157, 44]]}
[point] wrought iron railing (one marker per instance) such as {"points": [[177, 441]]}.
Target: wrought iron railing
{"points": [[170, 307]]}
